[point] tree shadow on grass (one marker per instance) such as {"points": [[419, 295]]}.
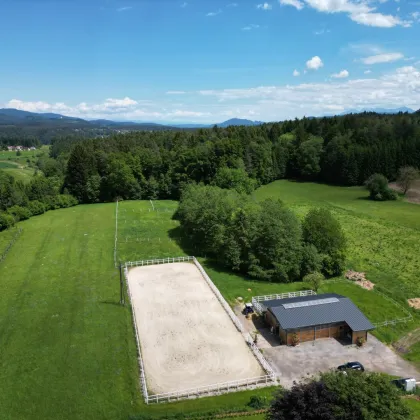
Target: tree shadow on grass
{"points": [[185, 243], [177, 235]]}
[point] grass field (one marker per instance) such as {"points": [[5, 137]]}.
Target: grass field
{"points": [[67, 347], [17, 166], [5, 238]]}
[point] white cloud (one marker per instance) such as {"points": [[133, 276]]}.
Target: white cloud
{"points": [[367, 71], [314, 63], [295, 3], [400, 87], [378, 20], [264, 6], [185, 4], [296, 73], [359, 11], [416, 16], [182, 113], [382, 58], [176, 92], [322, 32], [250, 27], [211, 14], [341, 75], [119, 109], [123, 9]]}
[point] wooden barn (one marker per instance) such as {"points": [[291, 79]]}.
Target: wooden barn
{"points": [[316, 316]]}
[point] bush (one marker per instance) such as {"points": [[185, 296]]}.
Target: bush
{"points": [[257, 402], [295, 340], [60, 201], [36, 207], [314, 280], [378, 188], [360, 342], [6, 221], [19, 213]]}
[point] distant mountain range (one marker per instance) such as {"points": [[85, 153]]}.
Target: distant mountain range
{"points": [[15, 117], [11, 116], [379, 110], [224, 124]]}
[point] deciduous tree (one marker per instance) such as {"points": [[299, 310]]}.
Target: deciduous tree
{"points": [[406, 177]]}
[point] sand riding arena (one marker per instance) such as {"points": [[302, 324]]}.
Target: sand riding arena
{"points": [[190, 342]]}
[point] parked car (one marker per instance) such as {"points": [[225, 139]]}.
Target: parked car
{"points": [[351, 366], [406, 384]]}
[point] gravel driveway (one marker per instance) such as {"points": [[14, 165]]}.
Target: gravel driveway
{"points": [[294, 363]]}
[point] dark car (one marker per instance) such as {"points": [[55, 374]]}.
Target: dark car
{"points": [[352, 366]]}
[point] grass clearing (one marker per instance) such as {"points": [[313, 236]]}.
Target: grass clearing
{"points": [[144, 233], [18, 166], [68, 348]]}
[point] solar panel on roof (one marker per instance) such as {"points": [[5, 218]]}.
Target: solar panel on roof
{"points": [[309, 303]]}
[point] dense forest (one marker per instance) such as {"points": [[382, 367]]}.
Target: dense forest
{"points": [[343, 150], [338, 150]]}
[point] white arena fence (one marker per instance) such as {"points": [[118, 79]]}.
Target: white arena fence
{"points": [[214, 389], [143, 384], [260, 307]]}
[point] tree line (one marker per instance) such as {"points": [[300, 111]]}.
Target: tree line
{"points": [[19, 201], [343, 150], [263, 240]]}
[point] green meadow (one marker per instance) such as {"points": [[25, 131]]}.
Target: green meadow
{"points": [[67, 347], [17, 166]]}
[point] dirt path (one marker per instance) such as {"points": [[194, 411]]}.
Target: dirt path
{"points": [[413, 194]]}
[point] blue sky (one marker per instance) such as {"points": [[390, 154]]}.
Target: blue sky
{"points": [[207, 61]]}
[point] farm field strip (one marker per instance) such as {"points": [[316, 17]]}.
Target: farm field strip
{"points": [[144, 233], [64, 336]]}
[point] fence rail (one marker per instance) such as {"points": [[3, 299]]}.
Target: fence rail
{"points": [[143, 384], [256, 300], [218, 388], [385, 323], [392, 322], [116, 236], [157, 261], [266, 366], [10, 244]]}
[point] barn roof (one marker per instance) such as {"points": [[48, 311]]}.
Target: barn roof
{"points": [[308, 311]]}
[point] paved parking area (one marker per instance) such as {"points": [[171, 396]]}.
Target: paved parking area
{"points": [[294, 363]]}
